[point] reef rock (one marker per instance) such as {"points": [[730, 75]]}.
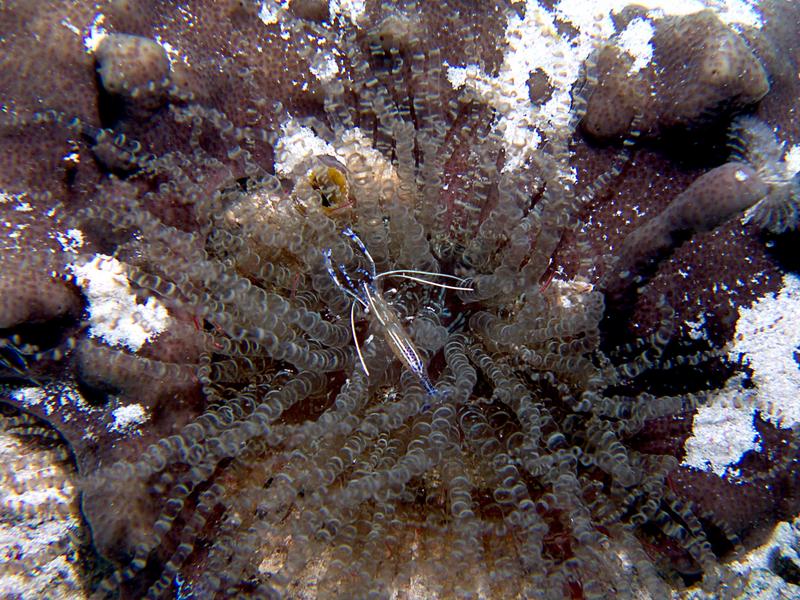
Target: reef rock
{"points": [[134, 67], [691, 72]]}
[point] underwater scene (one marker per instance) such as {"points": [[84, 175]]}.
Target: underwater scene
{"points": [[407, 300]]}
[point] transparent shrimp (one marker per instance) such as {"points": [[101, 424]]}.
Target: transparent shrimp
{"points": [[368, 295]]}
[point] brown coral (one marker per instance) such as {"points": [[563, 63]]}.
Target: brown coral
{"points": [[711, 200], [133, 67], [700, 72]]}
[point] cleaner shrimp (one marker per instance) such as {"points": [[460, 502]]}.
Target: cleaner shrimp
{"points": [[369, 295]]}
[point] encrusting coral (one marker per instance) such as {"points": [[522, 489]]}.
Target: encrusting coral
{"points": [[134, 68], [41, 512], [700, 68], [235, 447], [712, 199]]}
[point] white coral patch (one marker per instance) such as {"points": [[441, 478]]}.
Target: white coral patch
{"points": [[114, 314], [128, 418], [352, 9], [697, 329], [785, 537], [582, 14], [635, 40], [738, 12], [722, 434], [535, 43], [767, 340], [269, 11], [70, 241], [300, 144], [95, 33], [40, 516], [29, 396], [353, 143], [52, 398]]}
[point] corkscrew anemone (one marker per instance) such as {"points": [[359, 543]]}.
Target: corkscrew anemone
{"points": [[371, 300], [267, 464]]}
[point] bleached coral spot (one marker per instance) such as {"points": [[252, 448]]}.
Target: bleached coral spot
{"points": [[697, 329], [29, 396], [114, 314], [71, 240], [41, 517], [95, 34], [533, 44], [298, 144], [269, 11], [721, 436], [786, 537], [582, 14], [128, 418], [352, 9], [635, 39], [767, 337]]}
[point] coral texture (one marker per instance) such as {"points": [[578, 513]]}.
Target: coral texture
{"points": [[700, 68], [194, 341], [39, 529]]}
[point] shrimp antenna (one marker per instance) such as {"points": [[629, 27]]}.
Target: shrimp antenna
{"points": [[357, 240], [355, 337], [409, 274]]}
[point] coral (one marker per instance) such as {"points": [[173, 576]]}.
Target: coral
{"points": [[700, 70], [40, 526], [315, 10], [29, 291], [42, 299], [133, 67], [230, 444], [710, 201]]}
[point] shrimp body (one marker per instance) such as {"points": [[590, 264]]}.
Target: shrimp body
{"points": [[369, 297], [398, 339]]}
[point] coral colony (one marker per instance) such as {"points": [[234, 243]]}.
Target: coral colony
{"points": [[347, 299]]}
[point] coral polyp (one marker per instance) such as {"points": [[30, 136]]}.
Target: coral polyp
{"points": [[241, 431]]}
